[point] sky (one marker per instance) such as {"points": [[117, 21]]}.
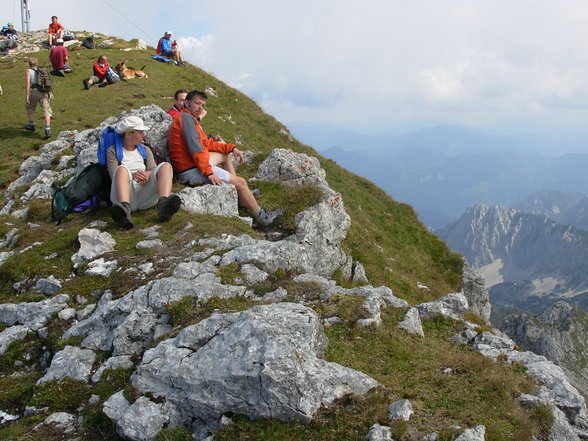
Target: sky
{"points": [[498, 65]]}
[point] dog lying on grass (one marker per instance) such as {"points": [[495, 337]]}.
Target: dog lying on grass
{"points": [[126, 73]]}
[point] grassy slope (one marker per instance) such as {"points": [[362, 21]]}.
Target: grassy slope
{"points": [[386, 236]]}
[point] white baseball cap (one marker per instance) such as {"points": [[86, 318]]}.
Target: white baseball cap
{"points": [[130, 123]]}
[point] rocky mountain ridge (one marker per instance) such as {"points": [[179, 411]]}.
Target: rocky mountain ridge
{"points": [[264, 362], [529, 261], [559, 334]]}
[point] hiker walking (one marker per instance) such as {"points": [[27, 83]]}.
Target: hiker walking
{"points": [[34, 96]]}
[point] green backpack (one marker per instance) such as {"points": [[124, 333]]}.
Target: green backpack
{"points": [[84, 191], [44, 80]]}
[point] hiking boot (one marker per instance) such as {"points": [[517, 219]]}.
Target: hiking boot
{"points": [[121, 214], [103, 84], [61, 72], [268, 219], [30, 127], [86, 84], [168, 206], [47, 132]]}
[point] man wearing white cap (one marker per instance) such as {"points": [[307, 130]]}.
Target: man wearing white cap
{"points": [[137, 182], [169, 49]]}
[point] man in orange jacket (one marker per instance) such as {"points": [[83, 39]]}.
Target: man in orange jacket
{"points": [[196, 157]]}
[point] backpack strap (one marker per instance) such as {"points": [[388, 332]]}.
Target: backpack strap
{"points": [[118, 146], [119, 149]]}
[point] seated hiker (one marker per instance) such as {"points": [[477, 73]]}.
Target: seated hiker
{"points": [[55, 31], [169, 48], [9, 38], [179, 98], [196, 158], [58, 56], [100, 67], [137, 183]]}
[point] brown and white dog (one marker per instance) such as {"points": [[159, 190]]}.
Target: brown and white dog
{"points": [[126, 73]]}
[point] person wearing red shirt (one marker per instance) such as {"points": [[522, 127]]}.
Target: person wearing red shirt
{"points": [[59, 56], [196, 157], [55, 31], [179, 98], [100, 67]]}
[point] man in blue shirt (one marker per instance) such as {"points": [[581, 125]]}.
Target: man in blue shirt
{"points": [[169, 48]]}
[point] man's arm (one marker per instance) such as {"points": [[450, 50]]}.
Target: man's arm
{"points": [[195, 148]]}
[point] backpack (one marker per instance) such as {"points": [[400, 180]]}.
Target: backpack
{"points": [[68, 36], [110, 137], [88, 42], [91, 182], [44, 80]]}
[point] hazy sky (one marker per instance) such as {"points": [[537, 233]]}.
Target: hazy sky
{"points": [[491, 64]]}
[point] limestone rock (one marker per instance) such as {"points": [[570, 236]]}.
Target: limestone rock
{"points": [[379, 433], [473, 286], [71, 362], [401, 410], [451, 306], [34, 315], [291, 169], [93, 243], [412, 322], [12, 334], [477, 433], [211, 199], [242, 363], [48, 286]]}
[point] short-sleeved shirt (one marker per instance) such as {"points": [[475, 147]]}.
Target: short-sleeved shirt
{"points": [[58, 56], [54, 28]]}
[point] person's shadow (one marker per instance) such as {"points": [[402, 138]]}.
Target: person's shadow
{"points": [[7, 133]]}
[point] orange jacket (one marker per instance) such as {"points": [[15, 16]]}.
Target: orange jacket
{"points": [[188, 146]]}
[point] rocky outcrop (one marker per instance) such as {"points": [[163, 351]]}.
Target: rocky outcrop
{"points": [[559, 334], [243, 363], [555, 390]]}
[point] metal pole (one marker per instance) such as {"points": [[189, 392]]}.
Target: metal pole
{"points": [[25, 15]]}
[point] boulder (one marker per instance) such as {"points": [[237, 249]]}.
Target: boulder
{"points": [[71, 362], [243, 363]]}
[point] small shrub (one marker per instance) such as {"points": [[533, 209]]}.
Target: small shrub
{"points": [[65, 395]]}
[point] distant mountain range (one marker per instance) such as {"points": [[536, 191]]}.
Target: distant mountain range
{"points": [[564, 208], [442, 170], [529, 260]]}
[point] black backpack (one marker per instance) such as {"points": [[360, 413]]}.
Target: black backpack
{"points": [[93, 181], [44, 80], [88, 42]]}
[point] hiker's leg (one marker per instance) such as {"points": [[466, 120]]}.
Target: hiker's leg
{"points": [[246, 199], [164, 179], [223, 161], [121, 185]]}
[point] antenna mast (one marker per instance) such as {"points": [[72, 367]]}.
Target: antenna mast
{"points": [[25, 15]]}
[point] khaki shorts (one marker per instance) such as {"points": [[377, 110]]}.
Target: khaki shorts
{"points": [[41, 98]]}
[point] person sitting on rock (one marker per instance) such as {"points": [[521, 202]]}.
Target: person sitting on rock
{"points": [[169, 48], [58, 56], [100, 67], [196, 158], [55, 31], [179, 98], [9, 39], [137, 183]]}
